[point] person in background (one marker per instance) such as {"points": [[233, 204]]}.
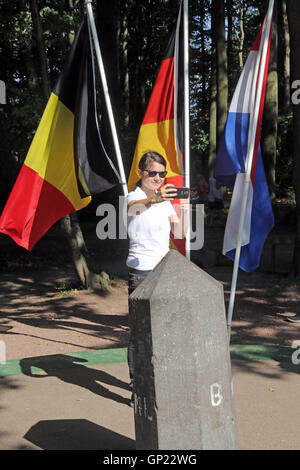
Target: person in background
{"points": [[203, 189], [215, 199]]}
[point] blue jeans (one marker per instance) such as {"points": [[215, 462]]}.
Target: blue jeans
{"points": [[135, 277]]}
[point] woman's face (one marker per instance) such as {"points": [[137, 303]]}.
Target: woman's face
{"points": [[152, 182]]}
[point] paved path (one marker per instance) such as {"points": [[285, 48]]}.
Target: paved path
{"points": [[69, 390], [80, 400]]}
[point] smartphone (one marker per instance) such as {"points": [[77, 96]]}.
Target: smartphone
{"points": [[182, 193]]}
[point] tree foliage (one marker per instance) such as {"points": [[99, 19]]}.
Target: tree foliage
{"points": [[140, 30]]}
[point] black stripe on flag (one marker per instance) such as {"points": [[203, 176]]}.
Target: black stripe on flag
{"points": [[75, 88]]}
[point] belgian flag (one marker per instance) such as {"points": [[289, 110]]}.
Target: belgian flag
{"points": [[162, 128], [66, 162]]}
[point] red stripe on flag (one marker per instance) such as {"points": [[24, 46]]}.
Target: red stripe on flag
{"points": [[261, 111], [178, 242], [161, 103], [33, 206], [256, 44]]}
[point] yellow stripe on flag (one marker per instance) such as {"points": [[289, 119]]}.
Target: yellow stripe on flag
{"points": [[51, 152], [157, 137]]}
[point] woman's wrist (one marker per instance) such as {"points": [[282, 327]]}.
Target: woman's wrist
{"points": [[156, 197], [153, 199]]}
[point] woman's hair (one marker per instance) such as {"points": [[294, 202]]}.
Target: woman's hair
{"points": [[149, 157]]}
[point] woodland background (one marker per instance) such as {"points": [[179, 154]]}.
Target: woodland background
{"points": [[36, 35]]}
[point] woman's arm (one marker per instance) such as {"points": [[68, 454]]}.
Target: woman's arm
{"points": [[139, 206]]}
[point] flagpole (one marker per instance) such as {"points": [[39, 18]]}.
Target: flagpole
{"points": [[89, 9], [186, 118], [255, 99]]}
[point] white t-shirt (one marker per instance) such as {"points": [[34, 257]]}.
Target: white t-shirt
{"points": [[149, 232]]}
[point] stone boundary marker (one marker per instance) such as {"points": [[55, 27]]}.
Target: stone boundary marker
{"points": [[182, 379]]}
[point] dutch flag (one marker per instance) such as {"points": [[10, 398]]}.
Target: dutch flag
{"points": [[230, 165]]}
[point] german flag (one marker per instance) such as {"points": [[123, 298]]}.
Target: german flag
{"points": [[66, 162], [162, 127]]}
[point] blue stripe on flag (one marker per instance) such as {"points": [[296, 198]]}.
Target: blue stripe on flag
{"points": [[262, 221], [232, 149]]}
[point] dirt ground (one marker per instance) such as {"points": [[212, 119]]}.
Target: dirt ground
{"points": [[42, 311]]}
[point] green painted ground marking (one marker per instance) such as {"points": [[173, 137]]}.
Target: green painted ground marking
{"points": [[40, 364], [261, 353], [33, 365]]}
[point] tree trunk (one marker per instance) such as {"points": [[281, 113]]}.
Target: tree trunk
{"points": [[203, 67], [71, 230], [213, 102], [28, 58], [242, 34], [222, 78], [269, 125], [286, 102], [108, 26], [125, 36], [35, 13], [230, 50], [140, 69], [33, 81], [293, 9]]}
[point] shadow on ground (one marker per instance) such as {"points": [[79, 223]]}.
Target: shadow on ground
{"points": [[76, 434], [73, 371], [30, 296]]}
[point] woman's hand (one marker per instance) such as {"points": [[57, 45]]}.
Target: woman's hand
{"points": [[166, 193]]}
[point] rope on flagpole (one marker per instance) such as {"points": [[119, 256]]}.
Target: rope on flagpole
{"points": [[255, 99], [90, 14]]}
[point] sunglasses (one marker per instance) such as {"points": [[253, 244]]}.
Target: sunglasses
{"points": [[152, 173]]}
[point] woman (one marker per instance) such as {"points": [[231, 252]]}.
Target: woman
{"points": [[151, 218]]}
